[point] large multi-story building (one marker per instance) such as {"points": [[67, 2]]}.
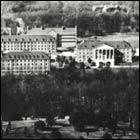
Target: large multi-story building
{"points": [[25, 63], [31, 43], [124, 48], [66, 37], [26, 54], [114, 52]]}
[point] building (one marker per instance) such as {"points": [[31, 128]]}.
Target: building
{"points": [[124, 48], [21, 26], [114, 52], [66, 37], [5, 31], [136, 55], [25, 63], [28, 43]]}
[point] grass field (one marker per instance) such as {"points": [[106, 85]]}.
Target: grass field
{"points": [[67, 133], [132, 38]]}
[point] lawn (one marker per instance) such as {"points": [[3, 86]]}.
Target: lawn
{"points": [[67, 132], [132, 38]]}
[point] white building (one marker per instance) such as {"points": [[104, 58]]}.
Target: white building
{"points": [[97, 51], [123, 47], [25, 63], [31, 43]]}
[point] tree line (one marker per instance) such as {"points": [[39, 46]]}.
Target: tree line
{"points": [[100, 96], [57, 14]]}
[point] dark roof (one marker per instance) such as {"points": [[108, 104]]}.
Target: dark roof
{"points": [[90, 44], [119, 44], [27, 38], [39, 31], [25, 56]]}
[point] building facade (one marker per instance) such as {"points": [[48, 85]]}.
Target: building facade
{"points": [[66, 37], [97, 51], [25, 63], [31, 43], [124, 48]]}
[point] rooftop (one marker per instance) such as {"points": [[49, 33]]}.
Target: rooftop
{"points": [[25, 56], [40, 31], [90, 44], [21, 38]]}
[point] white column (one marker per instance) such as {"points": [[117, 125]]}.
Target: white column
{"points": [[105, 54], [109, 54], [113, 54]]}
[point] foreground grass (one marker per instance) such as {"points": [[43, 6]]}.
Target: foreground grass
{"points": [[68, 132]]}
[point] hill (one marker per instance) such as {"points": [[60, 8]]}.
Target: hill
{"points": [[8, 7], [71, 13]]}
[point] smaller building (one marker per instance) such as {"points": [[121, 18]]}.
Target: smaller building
{"points": [[5, 31], [65, 36], [25, 63], [136, 55]]}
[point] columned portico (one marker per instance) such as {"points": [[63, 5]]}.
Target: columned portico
{"points": [[104, 53]]}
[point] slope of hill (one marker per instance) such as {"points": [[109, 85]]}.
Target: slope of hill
{"points": [[19, 6], [71, 13]]}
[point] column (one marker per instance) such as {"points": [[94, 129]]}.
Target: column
{"points": [[102, 54], [105, 54], [109, 54], [113, 54]]}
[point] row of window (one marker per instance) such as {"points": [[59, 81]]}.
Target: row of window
{"points": [[27, 61], [31, 49], [27, 42], [24, 61], [24, 45], [27, 64], [8, 47], [24, 65], [25, 68], [23, 72]]}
